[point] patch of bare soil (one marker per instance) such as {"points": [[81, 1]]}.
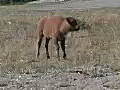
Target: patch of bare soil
{"points": [[94, 78]]}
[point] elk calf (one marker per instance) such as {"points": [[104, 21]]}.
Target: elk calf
{"points": [[56, 28]]}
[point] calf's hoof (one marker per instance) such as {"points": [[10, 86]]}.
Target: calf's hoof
{"points": [[65, 57], [37, 56], [48, 57]]}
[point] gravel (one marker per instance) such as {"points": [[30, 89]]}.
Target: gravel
{"points": [[75, 80]]}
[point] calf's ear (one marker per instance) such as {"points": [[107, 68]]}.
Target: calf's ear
{"points": [[71, 21]]}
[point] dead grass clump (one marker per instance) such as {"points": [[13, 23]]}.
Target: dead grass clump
{"points": [[106, 19]]}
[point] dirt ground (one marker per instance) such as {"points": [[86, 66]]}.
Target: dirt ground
{"points": [[74, 4], [77, 80], [93, 53]]}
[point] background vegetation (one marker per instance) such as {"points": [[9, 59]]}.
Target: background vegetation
{"points": [[9, 2], [98, 44]]}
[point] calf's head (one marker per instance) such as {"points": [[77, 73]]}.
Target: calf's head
{"points": [[73, 24]]}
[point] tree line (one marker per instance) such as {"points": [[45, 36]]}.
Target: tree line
{"points": [[4, 2]]}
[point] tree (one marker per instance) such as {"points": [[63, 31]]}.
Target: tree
{"points": [[3, 2]]}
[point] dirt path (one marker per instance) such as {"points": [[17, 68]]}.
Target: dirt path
{"points": [[59, 81], [75, 5]]}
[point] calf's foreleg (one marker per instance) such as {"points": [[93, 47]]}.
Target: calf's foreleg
{"points": [[57, 47], [62, 42]]}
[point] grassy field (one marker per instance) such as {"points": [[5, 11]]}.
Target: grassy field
{"points": [[98, 44]]}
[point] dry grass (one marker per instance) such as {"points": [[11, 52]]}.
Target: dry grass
{"points": [[96, 45]]}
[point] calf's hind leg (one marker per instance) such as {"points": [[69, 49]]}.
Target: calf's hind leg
{"points": [[39, 44], [46, 46]]}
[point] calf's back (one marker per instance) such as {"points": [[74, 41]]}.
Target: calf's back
{"points": [[53, 26]]}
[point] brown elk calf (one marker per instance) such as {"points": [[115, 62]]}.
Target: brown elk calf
{"points": [[56, 28]]}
